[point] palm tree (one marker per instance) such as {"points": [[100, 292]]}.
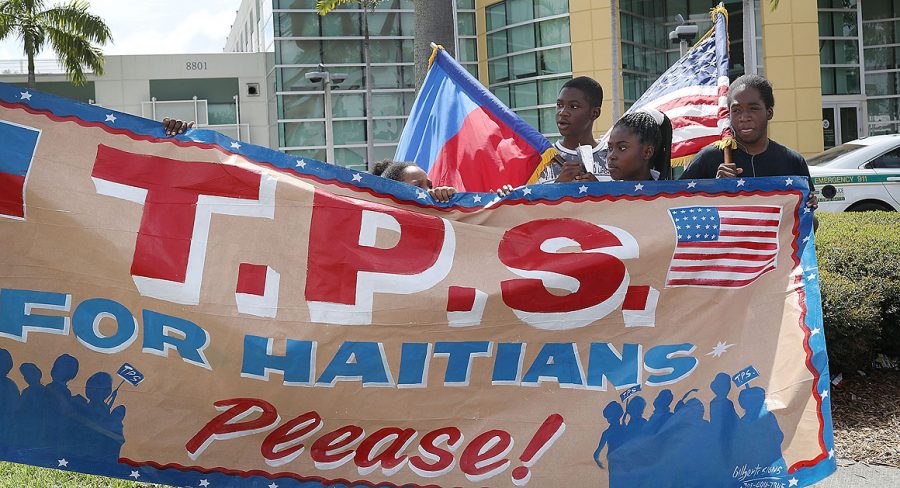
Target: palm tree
{"points": [[434, 23], [325, 6], [72, 31]]}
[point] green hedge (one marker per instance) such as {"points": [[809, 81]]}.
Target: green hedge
{"points": [[859, 272]]}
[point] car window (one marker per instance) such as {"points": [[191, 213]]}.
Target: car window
{"points": [[888, 160], [829, 156]]}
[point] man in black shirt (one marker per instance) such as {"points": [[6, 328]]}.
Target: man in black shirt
{"points": [[751, 105]]}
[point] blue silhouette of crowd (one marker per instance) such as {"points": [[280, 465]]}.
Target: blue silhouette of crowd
{"points": [[680, 447], [50, 417]]}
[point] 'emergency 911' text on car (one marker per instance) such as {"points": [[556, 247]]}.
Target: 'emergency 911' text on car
{"points": [[859, 175]]}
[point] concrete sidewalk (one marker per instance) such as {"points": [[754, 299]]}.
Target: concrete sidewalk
{"points": [[851, 474]]}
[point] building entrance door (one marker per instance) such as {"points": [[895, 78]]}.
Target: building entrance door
{"points": [[841, 122]]}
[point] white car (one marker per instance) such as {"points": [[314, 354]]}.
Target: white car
{"points": [[859, 175]]}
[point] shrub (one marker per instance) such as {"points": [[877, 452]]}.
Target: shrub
{"points": [[859, 272]]}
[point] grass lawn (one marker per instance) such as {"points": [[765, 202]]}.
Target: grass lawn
{"points": [[21, 476]]}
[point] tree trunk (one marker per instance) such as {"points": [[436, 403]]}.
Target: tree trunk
{"points": [[435, 23], [32, 81], [370, 139]]}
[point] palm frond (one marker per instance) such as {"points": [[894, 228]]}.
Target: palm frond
{"points": [[76, 19], [325, 6], [75, 54], [773, 4]]}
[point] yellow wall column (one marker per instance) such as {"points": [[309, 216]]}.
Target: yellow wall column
{"points": [[791, 59], [590, 28]]}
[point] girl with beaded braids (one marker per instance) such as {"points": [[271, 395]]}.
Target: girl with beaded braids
{"points": [[640, 147]]}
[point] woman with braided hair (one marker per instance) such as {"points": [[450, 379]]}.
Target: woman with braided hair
{"points": [[640, 147]]}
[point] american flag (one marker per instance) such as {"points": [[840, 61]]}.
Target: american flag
{"points": [[693, 93], [727, 246]]}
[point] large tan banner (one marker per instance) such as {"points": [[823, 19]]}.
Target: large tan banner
{"points": [[200, 312]]}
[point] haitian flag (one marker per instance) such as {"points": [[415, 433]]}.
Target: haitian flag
{"points": [[464, 137]]}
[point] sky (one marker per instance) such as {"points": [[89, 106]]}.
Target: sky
{"points": [[154, 27]]}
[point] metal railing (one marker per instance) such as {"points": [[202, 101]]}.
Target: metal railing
{"points": [[41, 67], [197, 110]]}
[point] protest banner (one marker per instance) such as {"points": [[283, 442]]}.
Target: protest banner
{"points": [[198, 311]]}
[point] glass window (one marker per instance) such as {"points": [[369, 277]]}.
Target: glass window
{"points": [[519, 11], [384, 24], [840, 81], [384, 152], [496, 44], [532, 117], [302, 133], [525, 95], [354, 80], [468, 50], [521, 38], [221, 113], [341, 24], [523, 66], [349, 131], [296, 25], [310, 4], [889, 160], [301, 107], [387, 130], [340, 51], [883, 83], [317, 154], [502, 93], [549, 90], [387, 104], [299, 52], [495, 16], [465, 23], [879, 33], [546, 8], [554, 32], [348, 104], [838, 24], [882, 58], [385, 51], [465, 4], [884, 109], [498, 70], [881, 9], [555, 61], [548, 121], [351, 157], [838, 52], [472, 69]]}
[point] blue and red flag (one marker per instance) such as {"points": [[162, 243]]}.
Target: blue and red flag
{"points": [[16, 153], [464, 137]]}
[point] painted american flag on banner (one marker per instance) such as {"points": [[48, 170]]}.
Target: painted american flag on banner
{"points": [[723, 246], [693, 93]]}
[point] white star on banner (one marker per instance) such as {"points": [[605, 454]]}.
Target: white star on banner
{"points": [[638, 187], [204, 483], [526, 191], [24, 95], [582, 189], [111, 118], [789, 182], [235, 145], [811, 277], [814, 331], [741, 182], [824, 394], [476, 199], [357, 177], [793, 482], [720, 349], [301, 163], [63, 463], [830, 453], [135, 475], [420, 194], [806, 239], [692, 184], [273, 485]]}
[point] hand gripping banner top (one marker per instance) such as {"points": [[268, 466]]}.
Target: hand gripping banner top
{"points": [[197, 311]]}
